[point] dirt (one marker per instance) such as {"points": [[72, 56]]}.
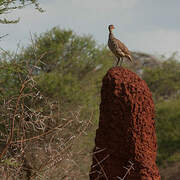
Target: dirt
{"points": [[126, 139]]}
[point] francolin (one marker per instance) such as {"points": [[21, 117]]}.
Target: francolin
{"points": [[117, 47]]}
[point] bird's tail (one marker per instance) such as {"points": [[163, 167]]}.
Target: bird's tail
{"points": [[130, 58]]}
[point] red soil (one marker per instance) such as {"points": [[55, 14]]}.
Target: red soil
{"points": [[126, 129]]}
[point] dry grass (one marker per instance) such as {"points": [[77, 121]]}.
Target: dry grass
{"points": [[171, 172]]}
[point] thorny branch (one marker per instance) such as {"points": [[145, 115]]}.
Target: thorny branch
{"points": [[39, 136], [129, 168], [13, 120]]}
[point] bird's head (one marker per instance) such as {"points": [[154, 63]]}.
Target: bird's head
{"points": [[111, 27]]}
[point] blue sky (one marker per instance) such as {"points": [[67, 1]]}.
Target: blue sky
{"points": [[150, 26]]}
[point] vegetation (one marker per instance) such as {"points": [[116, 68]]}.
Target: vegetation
{"points": [[168, 131], [51, 91], [7, 6], [163, 80], [49, 100]]}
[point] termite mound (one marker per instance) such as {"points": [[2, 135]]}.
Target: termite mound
{"points": [[126, 138]]}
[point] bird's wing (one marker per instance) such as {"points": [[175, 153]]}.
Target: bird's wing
{"points": [[115, 48], [123, 48]]}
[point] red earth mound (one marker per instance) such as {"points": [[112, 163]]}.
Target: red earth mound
{"points": [[126, 135]]}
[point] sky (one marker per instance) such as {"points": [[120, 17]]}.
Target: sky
{"points": [[150, 26]]}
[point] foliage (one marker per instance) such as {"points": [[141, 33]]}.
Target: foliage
{"points": [[168, 130], [70, 65], [163, 80], [9, 79], [60, 89], [35, 125], [7, 6], [65, 51]]}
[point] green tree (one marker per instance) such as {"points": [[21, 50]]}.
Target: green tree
{"points": [[163, 80], [70, 66], [168, 131], [64, 50], [64, 73]]}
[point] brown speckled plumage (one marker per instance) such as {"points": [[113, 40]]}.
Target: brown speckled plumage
{"points": [[117, 47]]}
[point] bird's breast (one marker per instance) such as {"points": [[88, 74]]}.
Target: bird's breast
{"points": [[114, 48]]}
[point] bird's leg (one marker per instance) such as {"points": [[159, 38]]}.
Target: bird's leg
{"points": [[121, 61], [117, 61]]}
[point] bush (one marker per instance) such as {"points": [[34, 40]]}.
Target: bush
{"points": [[163, 80], [168, 130]]}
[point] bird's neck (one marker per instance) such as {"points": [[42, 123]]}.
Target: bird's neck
{"points": [[111, 34]]}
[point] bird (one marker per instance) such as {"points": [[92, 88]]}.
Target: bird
{"points": [[117, 47]]}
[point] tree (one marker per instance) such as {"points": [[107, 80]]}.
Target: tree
{"points": [[49, 91], [7, 6], [168, 131], [36, 134], [163, 80], [68, 63], [63, 49]]}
